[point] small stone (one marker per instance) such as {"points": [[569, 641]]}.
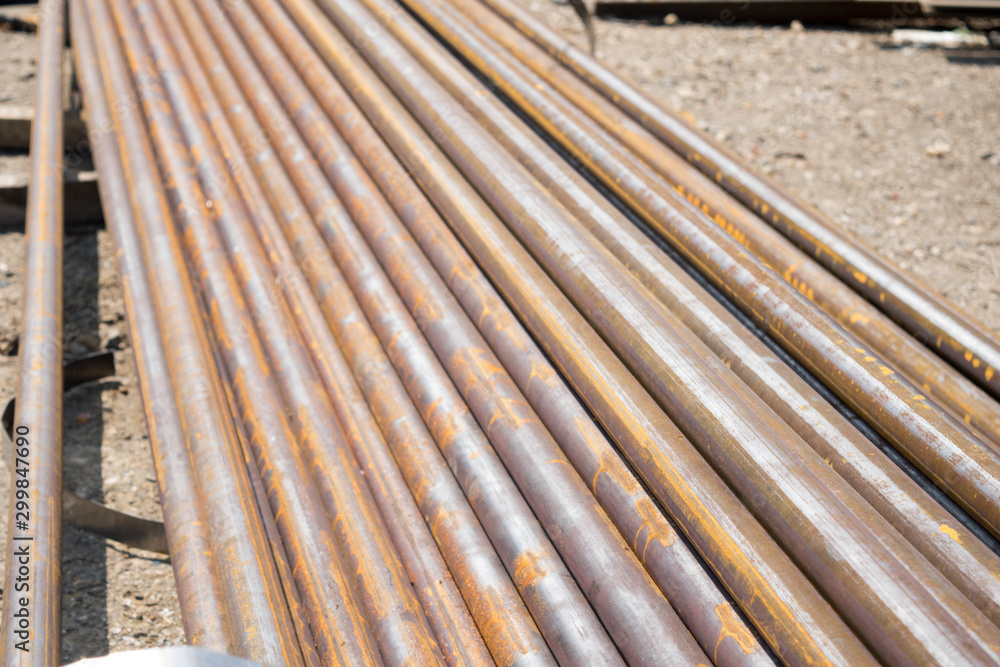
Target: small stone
{"points": [[671, 19], [116, 340], [83, 417], [9, 348], [796, 26], [938, 149]]}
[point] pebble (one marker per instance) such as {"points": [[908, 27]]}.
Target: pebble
{"points": [[938, 149]]}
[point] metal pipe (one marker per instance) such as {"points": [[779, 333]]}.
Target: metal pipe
{"points": [[768, 465], [32, 609], [435, 588], [771, 468], [742, 555], [574, 632], [202, 611], [334, 608], [494, 603], [711, 404], [636, 615], [669, 560], [966, 561], [964, 342], [393, 613], [248, 577], [947, 452], [323, 282], [939, 380], [310, 656]]}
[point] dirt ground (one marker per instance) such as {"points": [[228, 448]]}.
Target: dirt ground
{"points": [[901, 146]]}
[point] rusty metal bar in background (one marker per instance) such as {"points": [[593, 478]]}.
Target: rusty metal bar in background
{"points": [[957, 337], [939, 380], [32, 604]]}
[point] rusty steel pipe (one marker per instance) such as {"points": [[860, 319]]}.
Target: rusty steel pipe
{"points": [[248, 576], [585, 537], [745, 442], [573, 632], [711, 517], [635, 613], [756, 451], [32, 608], [945, 451], [310, 655], [333, 607], [944, 383], [949, 546], [393, 614], [952, 333], [719, 630], [202, 611], [404, 360], [493, 601], [771, 468], [435, 588]]}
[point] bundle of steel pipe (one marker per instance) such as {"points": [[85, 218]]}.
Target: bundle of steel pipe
{"points": [[450, 355]]}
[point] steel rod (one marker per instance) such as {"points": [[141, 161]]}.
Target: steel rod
{"points": [[32, 605], [248, 579], [939, 380], [965, 561], [202, 610]]}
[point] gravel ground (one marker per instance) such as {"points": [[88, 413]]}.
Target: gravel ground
{"points": [[900, 146]]}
